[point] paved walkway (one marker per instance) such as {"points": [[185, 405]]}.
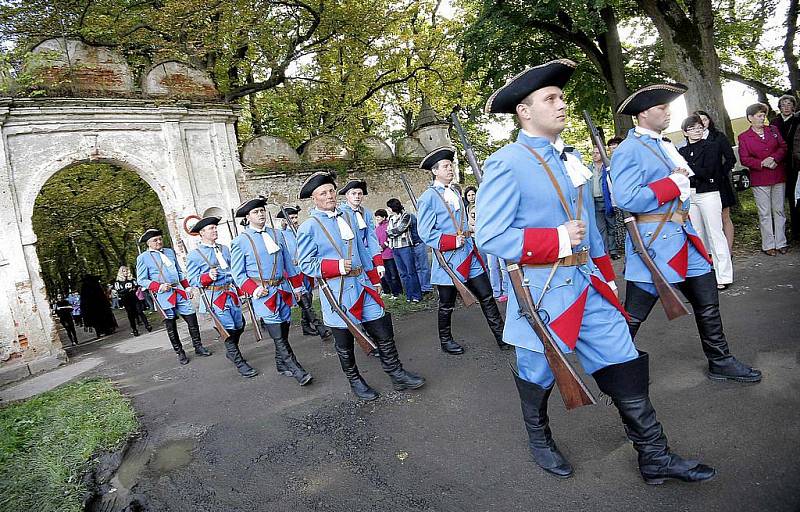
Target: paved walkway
{"points": [[217, 442]]}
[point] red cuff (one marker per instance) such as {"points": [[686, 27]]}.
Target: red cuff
{"points": [[249, 286], [153, 286], [540, 245], [373, 276], [377, 260], [205, 280], [448, 243], [297, 281], [185, 283], [604, 265], [665, 190], [330, 268]]}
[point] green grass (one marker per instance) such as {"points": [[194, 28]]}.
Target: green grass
{"points": [[46, 444], [397, 307], [747, 237]]}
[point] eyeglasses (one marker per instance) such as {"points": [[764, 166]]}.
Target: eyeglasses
{"points": [[697, 128]]}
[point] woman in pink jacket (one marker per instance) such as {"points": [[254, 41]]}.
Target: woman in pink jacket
{"points": [[763, 150]]}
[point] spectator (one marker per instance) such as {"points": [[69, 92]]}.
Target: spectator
{"points": [[127, 287], [727, 194], [64, 311], [705, 209], [603, 205], [422, 262], [75, 300], [495, 266], [400, 241], [390, 282], [762, 150], [114, 297], [787, 122], [95, 307]]}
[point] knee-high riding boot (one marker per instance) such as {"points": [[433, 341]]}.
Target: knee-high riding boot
{"points": [[638, 304], [703, 295], [540, 440], [194, 332], [172, 332], [233, 354], [495, 320], [448, 344], [627, 385], [343, 342], [284, 354], [382, 333]]}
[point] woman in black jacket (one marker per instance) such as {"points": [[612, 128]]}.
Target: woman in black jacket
{"points": [[726, 192], [705, 209], [126, 287]]}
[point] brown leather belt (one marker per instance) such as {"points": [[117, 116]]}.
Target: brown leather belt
{"points": [[677, 217], [354, 272], [218, 288], [573, 260], [270, 282]]}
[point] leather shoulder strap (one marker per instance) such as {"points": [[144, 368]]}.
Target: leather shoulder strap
{"points": [[553, 180]]}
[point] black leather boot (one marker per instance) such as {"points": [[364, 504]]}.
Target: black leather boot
{"points": [[495, 321], [382, 333], [540, 440], [146, 323], [703, 295], [284, 354], [627, 385], [343, 342], [305, 323], [448, 344], [234, 355], [638, 304], [172, 332], [194, 332]]}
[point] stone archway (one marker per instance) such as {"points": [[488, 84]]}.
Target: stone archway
{"points": [[185, 151]]}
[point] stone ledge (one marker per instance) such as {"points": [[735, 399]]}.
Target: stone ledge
{"points": [[21, 371]]}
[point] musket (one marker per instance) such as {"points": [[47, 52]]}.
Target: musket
{"points": [[467, 296], [152, 295], [573, 390], [223, 333], [245, 297], [364, 341], [305, 299], [672, 303]]}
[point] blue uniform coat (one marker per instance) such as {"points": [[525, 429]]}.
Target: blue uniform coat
{"points": [[320, 258], [152, 272], [275, 306], [225, 302], [518, 213], [437, 230], [639, 174]]}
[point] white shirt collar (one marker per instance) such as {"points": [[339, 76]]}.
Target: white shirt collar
{"points": [[645, 131]]}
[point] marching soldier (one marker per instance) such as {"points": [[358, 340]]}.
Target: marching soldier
{"points": [[311, 325], [157, 270], [259, 263], [209, 268], [535, 208], [443, 224], [329, 248], [354, 192], [651, 180]]}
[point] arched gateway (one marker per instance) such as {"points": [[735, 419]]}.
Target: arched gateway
{"points": [[185, 151]]}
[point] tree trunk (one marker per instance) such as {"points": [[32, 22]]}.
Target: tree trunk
{"points": [[618, 89], [690, 56], [788, 46]]}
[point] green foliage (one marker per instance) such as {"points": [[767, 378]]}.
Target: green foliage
{"points": [[88, 219], [46, 444]]}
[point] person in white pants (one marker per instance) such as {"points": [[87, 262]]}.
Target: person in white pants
{"points": [[705, 208]]}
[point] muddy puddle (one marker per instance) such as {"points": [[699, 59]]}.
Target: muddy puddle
{"points": [[142, 459]]}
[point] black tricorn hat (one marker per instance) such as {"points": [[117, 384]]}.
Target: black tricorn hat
{"points": [[650, 96], [150, 233], [250, 204], [205, 221], [443, 153], [505, 99], [290, 210], [354, 183], [315, 180]]}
